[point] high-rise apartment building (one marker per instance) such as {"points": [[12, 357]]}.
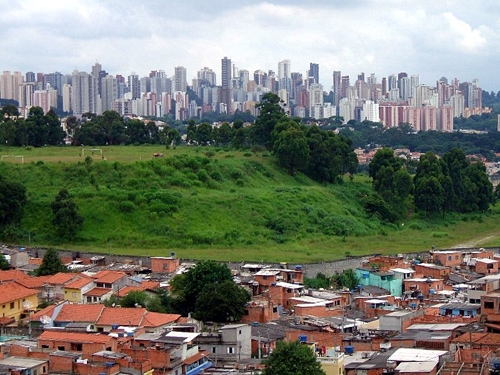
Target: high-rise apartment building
{"points": [[314, 71], [109, 88], [9, 85], [226, 72], [83, 93], [180, 81], [134, 86]]}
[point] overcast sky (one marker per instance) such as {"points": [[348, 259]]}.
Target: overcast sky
{"points": [[432, 38]]}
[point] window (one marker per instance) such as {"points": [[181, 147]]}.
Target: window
{"points": [[239, 332], [45, 346], [264, 277], [489, 304], [456, 257], [214, 350], [61, 347], [449, 257], [35, 372], [44, 369], [230, 350], [246, 312], [275, 309], [12, 305]]}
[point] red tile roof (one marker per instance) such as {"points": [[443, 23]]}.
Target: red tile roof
{"points": [[13, 291], [61, 278], [97, 292], [85, 338], [154, 319], [80, 313], [36, 261], [124, 316], [196, 357], [49, 310], [109, 277], [10, 275], [31, 282], [126, 290], [79, 282]]}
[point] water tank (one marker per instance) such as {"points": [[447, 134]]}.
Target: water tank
{"points": [[255, 324], [172, 254], [432, 291], [366, 275], [273, 284], [302, 338], [413, 305], [420, 297], [22, 249], [349, 350], [114, 326], [298, 267]]}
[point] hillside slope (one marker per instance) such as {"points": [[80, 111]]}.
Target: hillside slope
{"points": [[224, 206]]}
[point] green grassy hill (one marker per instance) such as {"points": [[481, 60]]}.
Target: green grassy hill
{"points": [[214, 204]]}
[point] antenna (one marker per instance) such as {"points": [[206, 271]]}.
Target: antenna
{"points": [[45, 319]]}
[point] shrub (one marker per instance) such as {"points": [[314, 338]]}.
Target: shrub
{"points": [[209, 154], [126, 206], [240, 182]]}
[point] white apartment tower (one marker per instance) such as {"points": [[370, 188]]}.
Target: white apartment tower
{"points": [[83, 90]]}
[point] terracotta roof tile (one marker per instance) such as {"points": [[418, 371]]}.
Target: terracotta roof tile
{"points": [[97, 292], [126, 290], [13, 291], [10, 275], [109, 277], [31, 282], [196, 357], [61, 278], [79, 282], [124, 316], [154, 319], [75, 337], [80, 313], [49, 310]]}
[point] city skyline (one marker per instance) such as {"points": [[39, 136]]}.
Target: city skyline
{"points": [[450, 39]]}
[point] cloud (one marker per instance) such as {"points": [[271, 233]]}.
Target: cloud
{"points": [[427, 37]]}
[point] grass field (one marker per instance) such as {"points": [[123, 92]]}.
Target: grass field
{"points": [[216, 204]]}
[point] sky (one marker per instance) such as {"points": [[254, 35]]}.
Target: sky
{"points": [[432, 38]]}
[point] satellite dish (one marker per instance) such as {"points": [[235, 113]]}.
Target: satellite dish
{"points": [[45, 319], [28, 305]]}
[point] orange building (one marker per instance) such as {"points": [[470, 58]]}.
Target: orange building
{"points": [[165, 264]]}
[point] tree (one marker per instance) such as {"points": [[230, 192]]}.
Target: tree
{"points": [[196, 292], [224, 302], [271, 112], [348, 279], [66, 220], [135, 298], [173, 138], [51, 264], [12, 202], [292, 358], [292, 150]]}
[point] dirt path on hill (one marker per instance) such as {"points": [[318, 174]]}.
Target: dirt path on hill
{"points": [[474, 243]]}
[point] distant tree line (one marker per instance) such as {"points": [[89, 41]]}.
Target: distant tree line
{"points": [[448, 184], [36, 130]]}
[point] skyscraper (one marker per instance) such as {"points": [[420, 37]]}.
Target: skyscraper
{"points": [[337, 80], [180, 82], [83, 93], [108, 92], [134, 86], [226, 72], [314, 71]]}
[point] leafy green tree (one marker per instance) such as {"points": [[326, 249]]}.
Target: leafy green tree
{"points": [[429, 181], [292, 150], [221, 302], [51, 264], [66, 220], [55, 132], [204, 134], [271, 112], [320, 281], [173, 138], [12, 202], [348, 279], [135, 298], [292, 358], [187, 287], [478, 189]]}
